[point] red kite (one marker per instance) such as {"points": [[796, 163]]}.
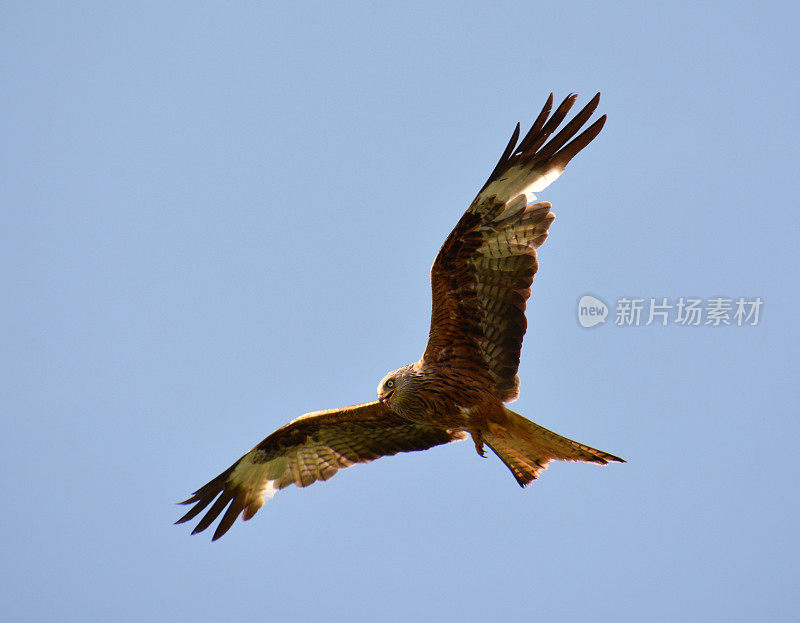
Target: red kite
{"points": [[481, 281]]}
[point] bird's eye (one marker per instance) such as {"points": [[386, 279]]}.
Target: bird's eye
{"points": [[389, 384]]}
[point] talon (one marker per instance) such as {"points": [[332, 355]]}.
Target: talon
{"points": [[477, 437]]}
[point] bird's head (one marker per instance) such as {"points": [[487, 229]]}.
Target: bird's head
{"points": [[394, 387]]}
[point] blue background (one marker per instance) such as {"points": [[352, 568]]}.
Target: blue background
{"points": [[218, 216]]}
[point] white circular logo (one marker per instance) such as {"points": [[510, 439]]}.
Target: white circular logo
{"points": [[591, 311]]}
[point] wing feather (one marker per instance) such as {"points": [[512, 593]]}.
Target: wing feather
{"points": [[482, 276], [313, 447]]}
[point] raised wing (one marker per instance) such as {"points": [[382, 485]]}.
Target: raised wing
{"points": [[313, 447], [482, 276]]}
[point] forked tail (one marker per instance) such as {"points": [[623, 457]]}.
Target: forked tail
{"points": [[526, 448]]}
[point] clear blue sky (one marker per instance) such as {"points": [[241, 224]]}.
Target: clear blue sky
{"points": [[218, 216]]}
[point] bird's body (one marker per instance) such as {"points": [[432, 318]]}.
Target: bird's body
{"points": [[480, 282], [434, 395]]}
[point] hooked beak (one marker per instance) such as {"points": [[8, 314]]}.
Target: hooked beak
{"points": [[386, 399]]}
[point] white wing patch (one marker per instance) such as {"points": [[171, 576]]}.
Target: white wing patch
{"points": [[544, 180], [260, 479], [521, 181]]}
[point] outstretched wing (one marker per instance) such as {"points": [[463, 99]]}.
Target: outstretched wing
{"points": [[482, 276], [313, 447]]}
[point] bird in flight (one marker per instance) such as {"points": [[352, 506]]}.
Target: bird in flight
{"points": [[481, 280]]}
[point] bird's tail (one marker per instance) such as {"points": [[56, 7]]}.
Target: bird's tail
{"points": [[526, 448]]}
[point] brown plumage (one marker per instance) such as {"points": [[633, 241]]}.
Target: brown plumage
{"points": [[313, 447], [481, 281]]}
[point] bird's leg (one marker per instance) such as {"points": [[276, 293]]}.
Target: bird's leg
{"points": [[477, 437]]}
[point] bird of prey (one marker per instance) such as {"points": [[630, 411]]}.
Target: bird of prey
{"points": [[481, 280]]}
